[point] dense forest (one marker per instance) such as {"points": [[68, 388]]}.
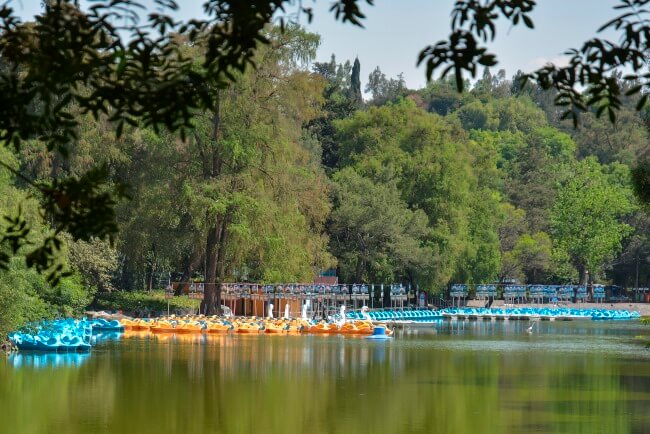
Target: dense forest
{"points": [[295, 172]]}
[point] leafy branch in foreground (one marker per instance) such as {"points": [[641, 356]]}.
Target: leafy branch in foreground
{"points": [[589, 78], [113, 61], [80, 206]]}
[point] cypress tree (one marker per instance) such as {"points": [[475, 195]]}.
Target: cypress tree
{"points": [[355, 82]]}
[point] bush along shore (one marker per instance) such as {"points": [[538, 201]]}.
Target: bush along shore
{"points": [[144, 303]]}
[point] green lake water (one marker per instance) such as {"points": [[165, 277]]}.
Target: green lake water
{"points": [[453, 377]]}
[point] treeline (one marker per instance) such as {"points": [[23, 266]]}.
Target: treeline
{"points": [[293, 173], [431, 186]]}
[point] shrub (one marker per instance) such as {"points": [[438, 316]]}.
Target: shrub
{"points": [[138, 301]]}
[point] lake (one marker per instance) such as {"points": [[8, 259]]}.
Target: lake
{"points": [[451, 377]]}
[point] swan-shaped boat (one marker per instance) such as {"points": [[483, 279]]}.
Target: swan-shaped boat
{"points": [[189, 327], [250, 328], [322, 327], [273, 327], [219, 327], [163, 326], [135, 324]]}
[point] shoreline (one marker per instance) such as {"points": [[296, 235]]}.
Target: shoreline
{"points": [[642, 308]]}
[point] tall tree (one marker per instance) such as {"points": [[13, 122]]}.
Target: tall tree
{"points": [[245, 147], [355, 82], [383, 89], [339, 104], [586, 217]]}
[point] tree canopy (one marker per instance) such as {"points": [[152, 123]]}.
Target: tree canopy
{"points": [[134, 72], [242, 163]]}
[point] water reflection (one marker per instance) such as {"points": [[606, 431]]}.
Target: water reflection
{"points": [[101, 337], [46, 360], [515, 327], [425, 380], [233, 353]]}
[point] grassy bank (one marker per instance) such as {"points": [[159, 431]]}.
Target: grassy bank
{"points": [[143, 303]]}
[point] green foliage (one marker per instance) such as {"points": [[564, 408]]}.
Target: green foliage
{"points": [[533, 254], [95, 261], [246, 187], [355, 82], [507, 145], [624, 141], [126, 75], [340, 102], [25, 295], [525, 257], [374, 234], [19, 303], [442, 97], [481, 258], [641, 176], [562, 268], [556, 144], [477, 116], [426, 186], [437, 171], [383, 89], [530, 185], [532, 159], [70, 297], [518, 114], [585, 218], [152, 79]]}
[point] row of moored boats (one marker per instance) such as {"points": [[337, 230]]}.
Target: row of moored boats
{"points": [[247, 325]]}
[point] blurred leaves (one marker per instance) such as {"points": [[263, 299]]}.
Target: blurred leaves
{"points": [[587, 81], [82, 206], [113, 60]]}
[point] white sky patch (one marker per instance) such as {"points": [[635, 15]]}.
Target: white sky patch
{"points": [[539, 62]]}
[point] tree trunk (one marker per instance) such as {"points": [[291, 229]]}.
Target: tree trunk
{"points": [[582, 270], [190, 265], [221, 253], [358, 273], [150, 279], [211, 292], [211, 304], [151, 269], [585, 279], [215, 266]]}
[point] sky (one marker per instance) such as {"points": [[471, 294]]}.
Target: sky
{"points": [[396, 30]]}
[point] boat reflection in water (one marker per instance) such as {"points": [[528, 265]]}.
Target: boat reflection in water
{"points": [[101, 337], [40, 360], [346, 355]]}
